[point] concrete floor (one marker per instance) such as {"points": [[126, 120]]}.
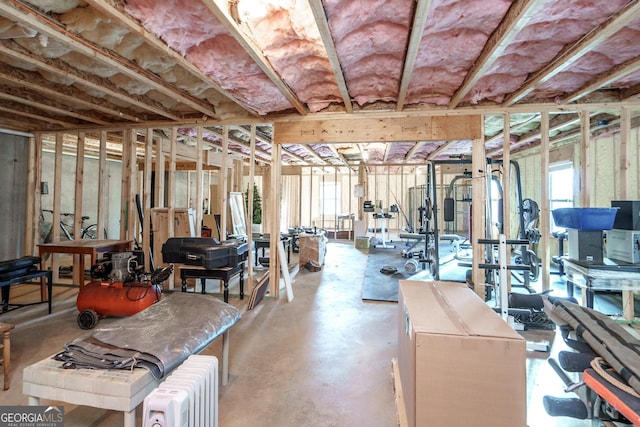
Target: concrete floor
{"points": [[324, 359]]}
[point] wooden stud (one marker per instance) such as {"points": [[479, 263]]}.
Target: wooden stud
{"points": [[223, 183], [252, 169], [506, 183], [146, 225], [479, 192], [78, 208], [57, 190], [274, 221], [199, 189], [103, 187], [585, 160], [545, 220]]}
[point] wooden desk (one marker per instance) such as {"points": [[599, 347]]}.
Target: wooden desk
{"points": [[80, 248]]}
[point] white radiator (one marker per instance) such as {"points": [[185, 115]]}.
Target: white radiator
{"points": [[188, 397]]}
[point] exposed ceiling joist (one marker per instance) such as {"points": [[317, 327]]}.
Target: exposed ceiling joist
{"points": [[59, 110], [133, 26], [514, 21], [574, 52], [220, 10], [604, 79], [57, 67], [417, 29], [45, 25], [327, 40]]}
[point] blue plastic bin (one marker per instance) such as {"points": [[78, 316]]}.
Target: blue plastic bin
{"points": [[585, 218]]}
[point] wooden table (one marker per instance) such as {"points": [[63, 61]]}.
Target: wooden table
{"points": [[80, 248]]}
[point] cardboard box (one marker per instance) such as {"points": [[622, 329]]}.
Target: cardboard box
{"points": [[362, 242], [460, 364]]}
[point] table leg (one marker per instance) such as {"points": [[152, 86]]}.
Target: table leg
{"points": [[183, 277], [76, 269], [50, 278], [49, 288], [242, 283], [130, 418], [590, 294], [203, 285], [6, 354], [225, 357], [256, 257], [226, 290], [569, 289], [627, 305]]}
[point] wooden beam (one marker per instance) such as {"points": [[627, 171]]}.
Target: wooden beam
{"points": [[327, 40], [417, 29], [355, 130], [220, 11], [516, 18], [199, 189], [45, 25], [568, 56]]}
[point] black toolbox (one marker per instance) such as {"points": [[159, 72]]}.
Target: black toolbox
{"points": [[205, 252]]}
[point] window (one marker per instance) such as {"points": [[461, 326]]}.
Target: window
{"points": [[330, 198], [560, 189]]}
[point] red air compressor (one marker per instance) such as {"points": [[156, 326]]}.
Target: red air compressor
{"points": [[118, 288]]}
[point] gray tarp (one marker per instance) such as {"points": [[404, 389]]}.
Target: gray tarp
{"points": [[158, 338], [608, 339]]}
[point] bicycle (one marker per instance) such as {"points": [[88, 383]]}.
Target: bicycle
{"points": [[89, 232]]}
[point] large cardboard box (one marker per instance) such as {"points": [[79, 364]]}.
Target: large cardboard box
{"points": [[460, 364]]}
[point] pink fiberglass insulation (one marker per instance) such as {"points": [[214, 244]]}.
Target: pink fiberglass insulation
{"points": [[619, 48], [370, 38], [191, 29], [454, 35], [398, 151], [287, 34], [550, 29]]}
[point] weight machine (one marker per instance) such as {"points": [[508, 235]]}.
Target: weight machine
{"points": [[527, 215]]}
